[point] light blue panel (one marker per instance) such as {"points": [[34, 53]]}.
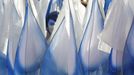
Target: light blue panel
{"points": [[31, 47], [61, 57], [91, 57], [14, 34]]}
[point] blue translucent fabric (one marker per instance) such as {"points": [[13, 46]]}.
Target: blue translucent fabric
{"points": [[31, 47], [131, 4], [59, 3], [3, 67], [91, 57], [118, 36], [106, 5], [61, 56], [88, 14], [10, 60], [74, 45], [77, 18], [128, 58], [4, 23], [15, 28], [60, 52], [115, 33]]}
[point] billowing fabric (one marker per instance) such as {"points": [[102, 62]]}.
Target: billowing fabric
{"points": [[42, 8], [128, 55], [87, 14], [75, 8], [106, 6], [3, 67], [57, 23], [20, 8], [77, 16], [37, 7], [15, 28], [31, 47], [4, 23], [116, 30], [91, 57], [101, 4], [131, 4], [61, 57], [78, 11], [93, 40]]}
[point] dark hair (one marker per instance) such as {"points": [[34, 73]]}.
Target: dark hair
{"points": [[52, 16]]}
